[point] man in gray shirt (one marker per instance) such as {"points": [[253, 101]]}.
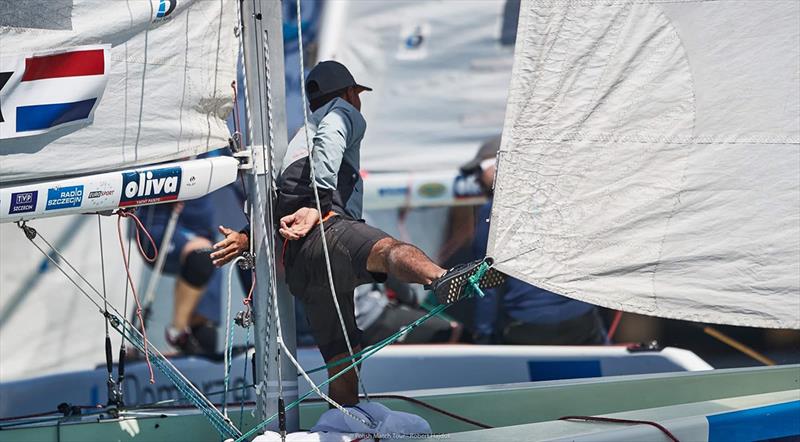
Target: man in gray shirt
{"points": [[359, 253]]}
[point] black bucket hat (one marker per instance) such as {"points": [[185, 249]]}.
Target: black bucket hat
{"points": [[328, 77]]}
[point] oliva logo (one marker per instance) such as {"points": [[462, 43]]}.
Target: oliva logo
{"points": [[150, 186]]}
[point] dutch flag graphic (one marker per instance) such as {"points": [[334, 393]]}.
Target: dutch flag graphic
{"points": [[44, 91]]}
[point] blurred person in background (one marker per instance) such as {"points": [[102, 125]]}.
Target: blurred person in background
{"points": [[383, 309], [517, 312], [192, 330]]}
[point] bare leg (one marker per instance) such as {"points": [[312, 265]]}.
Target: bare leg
{"points": [[343, 390], [186, 295], [404, 261]]}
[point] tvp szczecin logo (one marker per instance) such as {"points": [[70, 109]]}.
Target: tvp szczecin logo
{"points": [[22, 202], [150, 186], [64, 197]]}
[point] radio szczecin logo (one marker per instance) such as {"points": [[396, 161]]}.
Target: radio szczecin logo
{"points": [[150, 186], [64, 197]]}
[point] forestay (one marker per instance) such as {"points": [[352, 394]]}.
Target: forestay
{"points": [[87, 86], [651, 158]]}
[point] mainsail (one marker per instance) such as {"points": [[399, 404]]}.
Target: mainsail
{"points": [[90, 86], [651, 158]]}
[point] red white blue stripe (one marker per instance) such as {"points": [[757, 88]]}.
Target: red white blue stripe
{"points": [[47, 91]]}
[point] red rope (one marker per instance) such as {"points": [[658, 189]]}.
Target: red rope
{"points": [[623, 421], [236, 126], [140, 226], [249, 299], [614, 324], [123, 214]]}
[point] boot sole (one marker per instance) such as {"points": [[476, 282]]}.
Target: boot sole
{"points": [[456, 286]]}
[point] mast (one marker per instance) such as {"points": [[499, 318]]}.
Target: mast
{"points": [[262, 27]]}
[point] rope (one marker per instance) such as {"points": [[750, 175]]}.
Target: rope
{"points": [[228, 356], [123, 348], [612, 420], [222, 424], [126, 260], [473, 288], [316, 198], [103, 270], [386, 341], [737, 345], [612, 330], [430, 407], [244, 379], [141, 227]]}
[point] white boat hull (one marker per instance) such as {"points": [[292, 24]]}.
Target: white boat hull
{"points": [[395, 368]]}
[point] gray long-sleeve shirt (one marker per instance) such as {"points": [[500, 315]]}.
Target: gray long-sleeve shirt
{"points": [[336, 130]]}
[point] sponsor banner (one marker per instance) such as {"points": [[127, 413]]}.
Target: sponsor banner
{"points": [[23, 202], [41, 92], [431, 190], [393, 191], [150, 186], [191, 181], [100, 193], [64, 197]]}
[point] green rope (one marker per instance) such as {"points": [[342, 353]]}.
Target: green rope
{"points": [[433, 312], [229, 350], [369, 351], [244, 378], [428, 307], [221, 423], [473, 288]]}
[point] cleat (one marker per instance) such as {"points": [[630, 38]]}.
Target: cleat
{"points": [[451, 287]]}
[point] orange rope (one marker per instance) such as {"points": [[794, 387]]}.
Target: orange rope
{"points": [[737, 345], [614, 324], [124, 214]]}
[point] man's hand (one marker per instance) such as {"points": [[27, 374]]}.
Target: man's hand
{"points": [[298, 224], [234, 244]]}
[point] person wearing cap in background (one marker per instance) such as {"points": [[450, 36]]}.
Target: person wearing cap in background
{"points": [[359, 254], [529, 315]]}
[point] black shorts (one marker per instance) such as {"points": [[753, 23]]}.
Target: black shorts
{"points": [[349, 245]]}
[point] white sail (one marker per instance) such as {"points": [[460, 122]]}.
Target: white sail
{"points": [[90, 85], [46, 324], [440, 72], [651, 158]]}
